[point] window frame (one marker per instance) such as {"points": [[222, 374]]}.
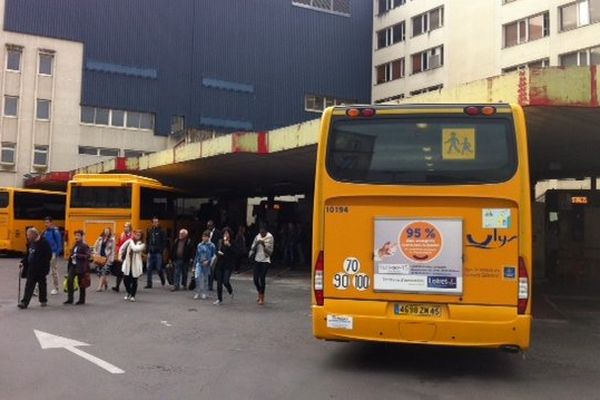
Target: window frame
{"points": [[17, 106], [389, 35], [578, 14], [389, 5], [37, 109], [8, 146], [426, 21], [314, 5], [42, 54], [525, 22], [18, 50], [389, 71], [425, 59], [41, 149], [588, 56]]}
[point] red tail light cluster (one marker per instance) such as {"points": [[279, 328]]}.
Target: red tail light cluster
{"points": [[523, 299], [318, 279], [480, 110], [360, 112]]}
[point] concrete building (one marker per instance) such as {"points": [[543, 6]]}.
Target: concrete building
{"points": [[41, 126], [422, 46]]}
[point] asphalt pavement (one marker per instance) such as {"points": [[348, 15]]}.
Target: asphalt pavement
{"points": [[170, 346]]}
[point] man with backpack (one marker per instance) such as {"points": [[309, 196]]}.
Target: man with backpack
{"points": [[54, 238]]}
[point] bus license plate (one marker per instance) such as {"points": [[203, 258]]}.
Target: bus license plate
{"points": [[418, 310]]}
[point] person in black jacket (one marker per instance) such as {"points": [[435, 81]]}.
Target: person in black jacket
{"points": [[78, 266], [36, 266], [156, 245], [215, 238], [182, 254], [225, 263]]}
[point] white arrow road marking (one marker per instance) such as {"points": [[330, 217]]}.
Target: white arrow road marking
{"points": [[50, 341], [165, 323]]}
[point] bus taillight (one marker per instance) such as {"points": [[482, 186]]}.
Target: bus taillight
{"points": [[318, 279], [523, 287]]}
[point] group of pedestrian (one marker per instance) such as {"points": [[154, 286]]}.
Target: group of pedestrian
{"points": [[214, 258]]}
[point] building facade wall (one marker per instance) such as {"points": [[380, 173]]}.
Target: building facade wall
{"points": [[473, 36], [62, 134], [225, 65]]}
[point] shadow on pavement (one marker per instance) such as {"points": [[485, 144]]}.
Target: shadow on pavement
{"points": [[433, 362]]}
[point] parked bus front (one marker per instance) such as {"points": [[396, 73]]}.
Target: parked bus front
{"points": [[422, 226], [97, 201]]}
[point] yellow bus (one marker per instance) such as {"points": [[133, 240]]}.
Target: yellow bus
{"points": [[97, 201], [422, 226], [24, 208]]}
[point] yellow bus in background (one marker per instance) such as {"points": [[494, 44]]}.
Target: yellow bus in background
{"points": [[422, 226], [97, 201], [24, 208]]}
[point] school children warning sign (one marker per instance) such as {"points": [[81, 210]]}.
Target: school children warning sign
{"points": [[418, 256], [458, 144]]}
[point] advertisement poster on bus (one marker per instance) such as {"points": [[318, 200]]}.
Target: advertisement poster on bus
{"points": [[418, 256]]}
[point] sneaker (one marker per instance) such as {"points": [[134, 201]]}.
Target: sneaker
{"points": [[204, 297], [132, 299], [68, 302], [196, 296], [217, 302], [147, 287], [175, 289], [43, 304], [54, 291], [116, 289], [126, 297], [22, 306]]}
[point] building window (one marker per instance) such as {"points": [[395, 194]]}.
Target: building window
{"points": [[13, 57], [387, 5], [389, 99], [428, 21], [146, 121], [177, 123], [527, 29], [11, 106], [117, 118], [390, 71], [392, 35], [46, 64], [334, 6], [88, 115], [7, 153], [428, 59], [581, 58], [315, 103], [43, 109], [133, 119], [427, 90], [543, 63], [88, 151], [102, 116], [579, 13], [109, 152], [40, 156], [133, 153]]}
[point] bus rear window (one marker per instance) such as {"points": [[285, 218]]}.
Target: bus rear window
{"points": [[28, 206], [429, 150], [100, 197], [3, 199]]}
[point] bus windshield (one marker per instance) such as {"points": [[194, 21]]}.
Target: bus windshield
{"points": [[100, 197], [422, 150], [3, 199]]}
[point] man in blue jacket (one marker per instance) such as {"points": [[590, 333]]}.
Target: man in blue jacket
{"points": [[54, 238]]}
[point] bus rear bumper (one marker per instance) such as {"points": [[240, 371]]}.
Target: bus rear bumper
{"points": [[459, 325]]}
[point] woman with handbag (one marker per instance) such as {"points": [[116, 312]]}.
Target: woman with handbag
{"points": [[131, 257], [104, 255], [78, 266]]}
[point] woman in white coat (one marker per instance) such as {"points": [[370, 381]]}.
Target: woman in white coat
{"points": [[131, 256]]}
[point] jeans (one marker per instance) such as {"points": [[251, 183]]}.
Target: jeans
{"points": [[202, 274], [30, 286], [70, 285], [260, 276], [223, 275], [131, 284], [181, 271], [155, 262]]}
